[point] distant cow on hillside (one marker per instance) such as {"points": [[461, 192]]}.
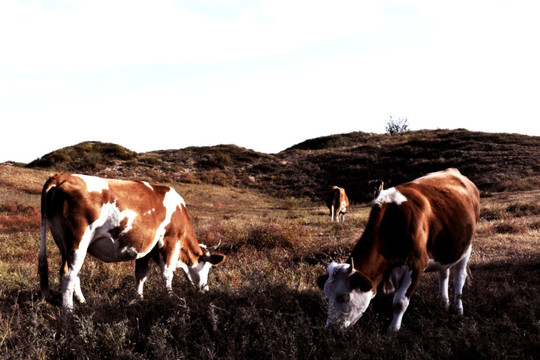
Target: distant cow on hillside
{"points": [[115, 220], [423, 225], [338, 202], [375, 187]]}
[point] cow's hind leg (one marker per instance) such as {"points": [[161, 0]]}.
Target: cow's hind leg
{"points": [[443, 287], [69, 273], [141, 272], [460, 275]]}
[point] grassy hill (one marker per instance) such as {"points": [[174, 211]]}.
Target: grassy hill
{"points": [[263, 302], [495, 162]]}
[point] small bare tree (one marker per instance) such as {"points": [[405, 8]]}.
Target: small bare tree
{"points": [[394, 126]]}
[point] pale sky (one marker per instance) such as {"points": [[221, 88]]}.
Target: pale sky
{"points": [[262, 74]]}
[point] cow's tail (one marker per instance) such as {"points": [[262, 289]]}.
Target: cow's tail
{"points": [[43, 266], [469, 275]]}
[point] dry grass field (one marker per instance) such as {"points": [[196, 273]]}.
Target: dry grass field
{"points": [[264, 302]]}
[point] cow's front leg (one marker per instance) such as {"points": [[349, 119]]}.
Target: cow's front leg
{"points": [[401, 300], [167, 273], [78, 292], [168, 259]]}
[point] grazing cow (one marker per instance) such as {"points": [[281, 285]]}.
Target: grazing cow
{"points": [[115, 220], [375, 187], [338, 202], [424, 225]]}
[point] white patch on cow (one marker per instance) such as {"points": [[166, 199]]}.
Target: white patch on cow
{"points": [[148, 185], [99, 238], [112, 217], [94, 184], [130, 215], [172, 201], [389, 196]]}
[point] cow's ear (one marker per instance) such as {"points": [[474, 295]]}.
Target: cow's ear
{"points": [[214, 259], [360, 281], [321, 281]]}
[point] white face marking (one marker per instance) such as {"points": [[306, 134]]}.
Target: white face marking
{"points": [[390, 196], [198, 273], [346, 305], [94, 183]]}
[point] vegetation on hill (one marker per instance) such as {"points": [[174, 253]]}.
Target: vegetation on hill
{"points": [[87, 156], [495, 162]]}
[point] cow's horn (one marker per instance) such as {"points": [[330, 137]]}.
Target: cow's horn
{"points": [[215, 246], [325, 263], [351, 269]]}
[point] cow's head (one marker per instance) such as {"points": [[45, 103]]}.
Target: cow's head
{"points": [[348, 291], [198, 272], [376, 186]]}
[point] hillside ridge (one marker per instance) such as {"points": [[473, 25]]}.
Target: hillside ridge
{"points": [[494, 161]]}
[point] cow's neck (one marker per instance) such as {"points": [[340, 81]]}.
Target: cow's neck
{"points": [[191, 250], [369, 261], [366, 254]]}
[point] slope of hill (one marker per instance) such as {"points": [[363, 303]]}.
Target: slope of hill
{"points": [[495, 162]]}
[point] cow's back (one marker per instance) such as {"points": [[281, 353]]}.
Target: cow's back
{"points": [[446, 205]]}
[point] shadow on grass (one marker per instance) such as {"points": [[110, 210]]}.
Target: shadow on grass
{"points": [[275, 321]]}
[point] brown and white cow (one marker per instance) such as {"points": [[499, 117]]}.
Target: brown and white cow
{"points": [[338, 202], [115, 220], [424, 225]]}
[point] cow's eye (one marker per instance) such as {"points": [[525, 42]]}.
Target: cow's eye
{"points": [[343, 298]]}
